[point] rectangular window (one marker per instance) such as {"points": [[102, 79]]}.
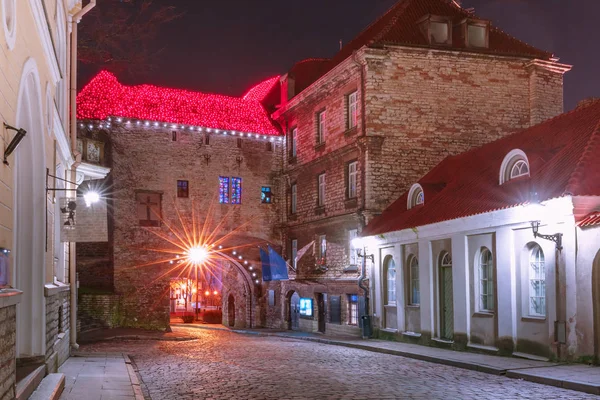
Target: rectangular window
{"points": [[537, 282], [174, 136], [206, 139], [224, 189], [265, 195], [294, 252], [239, 143], [293, 142], [352, 110], [352, 251], [271, 297], [415, 292], [486, 281], [321, 127], [352, 309], [352, 174], [236, 190], [477, 35], [321, 192], [269, 146], [294, 200], [183, 189], [322, 250], [148, 208]]}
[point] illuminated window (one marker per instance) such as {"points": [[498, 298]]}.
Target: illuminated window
{"points": [[322, 247], [148, 208], [537, 282], [486, 280], [182, 189], [352, 253], [236, 190], [352, 309], [390, 282], [294, 199], [321, 191], [352, 174], [224, 189], [321, 127], [352, 101], [413, 279], [265, 195]]}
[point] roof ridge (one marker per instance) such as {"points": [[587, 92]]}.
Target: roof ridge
{"points": [[585, 155]]}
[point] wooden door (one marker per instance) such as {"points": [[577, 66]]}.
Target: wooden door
{"points": [[321, 311]]}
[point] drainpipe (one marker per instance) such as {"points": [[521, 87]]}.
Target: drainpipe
{"points": [[77, 156]]}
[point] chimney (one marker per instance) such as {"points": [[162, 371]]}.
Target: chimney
{"points": [[288, 85], [587, 102]]}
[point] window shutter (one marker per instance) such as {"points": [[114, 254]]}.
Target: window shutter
{"points": [[335, 309]]}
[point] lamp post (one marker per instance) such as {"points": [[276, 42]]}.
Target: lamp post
{"points": [[360, 244]]}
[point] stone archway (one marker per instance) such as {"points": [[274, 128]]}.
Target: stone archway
{"points": [[596, 304], [292, 310], [29, 169]]}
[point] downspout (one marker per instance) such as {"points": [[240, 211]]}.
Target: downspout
{"points": [[77, 157]]}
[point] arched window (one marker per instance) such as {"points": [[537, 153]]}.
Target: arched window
{"points": [[537, 282], [486, 280], [413, 280], [415, 196], [390, 282], [9, 21], [514, 165]]}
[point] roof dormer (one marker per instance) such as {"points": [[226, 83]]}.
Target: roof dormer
{"points": [[514, 165], [475, 33], [416, 196], [437, 29]]}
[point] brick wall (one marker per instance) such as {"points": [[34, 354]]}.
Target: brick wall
{"points": [[98, 311], [148, 159], [57, 330], [95, 266], [8, 328]]}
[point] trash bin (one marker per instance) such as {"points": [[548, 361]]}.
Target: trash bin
{"points": [[366, 326]]}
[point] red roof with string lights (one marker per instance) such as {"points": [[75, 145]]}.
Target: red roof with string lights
{"points": [[104, 96], [562, 154]]}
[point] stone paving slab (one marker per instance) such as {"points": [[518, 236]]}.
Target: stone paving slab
{"points": [[99, 376], [583, 378]]}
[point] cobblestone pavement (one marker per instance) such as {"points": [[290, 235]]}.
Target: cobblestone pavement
{"points": [[224, 365]]}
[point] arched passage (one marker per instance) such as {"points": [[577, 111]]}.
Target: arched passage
{"points": [[292, 308], [29, 215], [596, 304], [243, 319]]}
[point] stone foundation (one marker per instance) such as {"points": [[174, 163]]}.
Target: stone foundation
{"points": [[8, 328]]}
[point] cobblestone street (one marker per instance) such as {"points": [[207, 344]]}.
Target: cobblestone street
{"points": [[223, 365]]}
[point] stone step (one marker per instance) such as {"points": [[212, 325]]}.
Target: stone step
{"points": [[50, 388], [27, 385]]}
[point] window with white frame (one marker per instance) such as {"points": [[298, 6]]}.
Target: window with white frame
{"points": [[537, 282], [9, 16], [294, 199], [321, 192], [294, 252], [416, 196], [519, 168], [352, 110], [486, 280], [322, 247], [390, 282], [352, 309], [352, 251], [294, 142], [321, 127], [352, 174], [514, 165], [413, 279]]}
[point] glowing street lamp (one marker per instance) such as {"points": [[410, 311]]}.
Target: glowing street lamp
{"points": [[91, 197], [197, 255]]}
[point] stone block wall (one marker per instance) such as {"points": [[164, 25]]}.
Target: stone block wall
{"points": [[98, 311], [154, 159], [8, 329], [94, 266], [57, 329]]}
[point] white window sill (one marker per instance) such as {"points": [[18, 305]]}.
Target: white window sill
{"points": [[445, 341], [484, 314], [10, 297], [411, 334], [52, 289], [533, 318], [414, 306], [390, 330]]}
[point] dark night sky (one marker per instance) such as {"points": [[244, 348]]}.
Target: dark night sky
{"points": [[227, 46]]}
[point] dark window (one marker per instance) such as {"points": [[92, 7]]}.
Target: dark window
{"points": [[148, 208], [183, 189], [335, 309], [207, 139], [269, 146], [174, 136], [271, 296], [239, 143], [266, 195]]}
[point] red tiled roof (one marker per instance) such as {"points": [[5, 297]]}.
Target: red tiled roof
{"points": [[105, 96], [592, 219], [563, 158], [398, 26]]}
